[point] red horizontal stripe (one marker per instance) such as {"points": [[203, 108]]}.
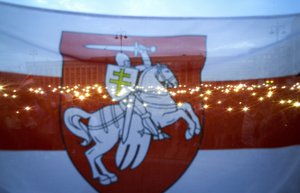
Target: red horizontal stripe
{"points": [[30, 112]]}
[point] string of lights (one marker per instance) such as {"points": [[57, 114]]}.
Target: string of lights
{"points": [[226, 97]]}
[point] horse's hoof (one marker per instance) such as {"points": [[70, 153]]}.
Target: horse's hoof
{"points": [[188, 135], [163, 136], [166, 136], [198, 131], [105, 181], [113, 178]]}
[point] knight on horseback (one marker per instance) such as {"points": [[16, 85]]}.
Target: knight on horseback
{"points": [[133, 103], [128, 122]]}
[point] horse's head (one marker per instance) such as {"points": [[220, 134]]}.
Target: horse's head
{"points": [[166, 76]]}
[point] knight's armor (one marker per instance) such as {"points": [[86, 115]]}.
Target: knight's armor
{"points": [[124, 61]]}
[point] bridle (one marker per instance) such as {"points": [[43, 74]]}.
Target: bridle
{"points": [[161, 76]]}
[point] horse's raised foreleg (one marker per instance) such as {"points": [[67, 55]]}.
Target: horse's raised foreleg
{"points": [[94, 156], [188, 108], [172, 117]]}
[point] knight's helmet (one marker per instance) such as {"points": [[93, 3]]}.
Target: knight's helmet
{"points": [[122, 59]]}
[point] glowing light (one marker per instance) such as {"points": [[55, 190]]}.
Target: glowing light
{"points": [[219, 102], [270, 93], [282, 101], [240, 86], [172, 93], [1, 87], [245, 109], [104, 96], [179, 104], [254, 94], [17, 112], [81, 97], [14, 90], [205, 98], [145, 104], [229, 109], [296, 104], [99, 90], [289, 101], [208, 92], [261, 98], [76, 93], [5, 95], [27, 108], [227, 91], [205, 106], [14, 96]]}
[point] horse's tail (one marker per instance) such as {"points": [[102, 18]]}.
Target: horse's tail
{"points": [[72, 118]]}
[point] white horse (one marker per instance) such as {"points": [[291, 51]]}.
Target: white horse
{"points": [[105, 125], [158, 101]]}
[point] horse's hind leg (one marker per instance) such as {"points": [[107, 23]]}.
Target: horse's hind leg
{"points": [[92, 154], [112, 176], [188, 108]]}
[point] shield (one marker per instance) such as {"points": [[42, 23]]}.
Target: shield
{"points": [[86, 73], [120, 81]]}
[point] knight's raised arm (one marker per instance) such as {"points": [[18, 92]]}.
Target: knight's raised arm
{"points": [[145, 57]]}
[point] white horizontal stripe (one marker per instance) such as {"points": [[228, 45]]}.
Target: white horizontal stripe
{"points": [[213, 171], [237, 49], [170, 8]]}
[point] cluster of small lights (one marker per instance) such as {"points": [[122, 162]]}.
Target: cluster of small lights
{"points": [[254, 90], [264, 92]]}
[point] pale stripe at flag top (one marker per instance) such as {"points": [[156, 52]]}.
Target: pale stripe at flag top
{"points": [[260, 52], [233, 45]]}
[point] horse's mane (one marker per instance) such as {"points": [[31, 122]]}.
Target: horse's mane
{"points": [[157, 66], [149, 70]]}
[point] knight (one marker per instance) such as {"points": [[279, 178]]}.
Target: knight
{"points": [[133, 100]]}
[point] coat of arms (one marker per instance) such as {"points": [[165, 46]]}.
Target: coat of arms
{"points": [[131, 126]]}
